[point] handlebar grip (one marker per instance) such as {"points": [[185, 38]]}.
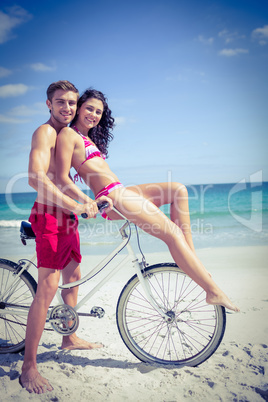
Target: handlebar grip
{"points": [[101, 206]]}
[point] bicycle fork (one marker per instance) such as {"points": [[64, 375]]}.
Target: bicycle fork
{"points": [[145, 284]]}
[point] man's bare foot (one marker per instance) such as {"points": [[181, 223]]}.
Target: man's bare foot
{"points": [[80, 344], [221, 300], [32, 381]]}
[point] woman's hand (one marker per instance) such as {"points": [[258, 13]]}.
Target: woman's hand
{"points": [[102, 199], [91, 208]]}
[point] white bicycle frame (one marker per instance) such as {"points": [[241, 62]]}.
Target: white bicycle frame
{"points": [[102, 265]]}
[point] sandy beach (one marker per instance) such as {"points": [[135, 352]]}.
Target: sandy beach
{"points": [[237, 371]]}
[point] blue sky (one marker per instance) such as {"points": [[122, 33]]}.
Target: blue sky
{"points": [[186, 81]]}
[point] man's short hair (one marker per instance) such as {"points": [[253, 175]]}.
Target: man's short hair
{"points": [[64, 85]]}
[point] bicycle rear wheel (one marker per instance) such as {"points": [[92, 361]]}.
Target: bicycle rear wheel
{"points": [[195, 329], [16, 293]]}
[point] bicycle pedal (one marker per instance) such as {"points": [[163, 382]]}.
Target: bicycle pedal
{"points": [[97, 312]]}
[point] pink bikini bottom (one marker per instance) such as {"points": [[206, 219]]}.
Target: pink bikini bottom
{"points": [[107, 190]]}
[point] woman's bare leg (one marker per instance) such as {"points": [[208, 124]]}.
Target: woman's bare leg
{"points": [[148, 217], [176, 195]]}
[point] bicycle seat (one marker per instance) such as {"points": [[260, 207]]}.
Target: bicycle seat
{"points": [[26, 231]]}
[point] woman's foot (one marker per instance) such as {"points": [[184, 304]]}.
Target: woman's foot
{"points": [[221, 300]]}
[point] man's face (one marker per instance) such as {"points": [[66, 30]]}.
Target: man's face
{"points": [[63, 106]]}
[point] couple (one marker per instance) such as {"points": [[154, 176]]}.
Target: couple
{"points": [[83, 146]]}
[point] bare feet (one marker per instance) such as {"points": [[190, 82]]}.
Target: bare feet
{"points": [[32, 381], [221, 300], [77, 343]]}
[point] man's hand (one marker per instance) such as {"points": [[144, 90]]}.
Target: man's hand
{"points": [[90, 209]]}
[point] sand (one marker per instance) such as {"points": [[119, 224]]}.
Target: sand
{"points": [[237, 371]]}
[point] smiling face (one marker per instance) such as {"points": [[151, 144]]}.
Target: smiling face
{"points": [[63, 106], [89, 115]]}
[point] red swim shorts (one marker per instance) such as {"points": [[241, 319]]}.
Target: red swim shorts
{"points": [[57, 237]]}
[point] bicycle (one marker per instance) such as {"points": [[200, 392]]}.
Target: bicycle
{"points": [[162, 315]]}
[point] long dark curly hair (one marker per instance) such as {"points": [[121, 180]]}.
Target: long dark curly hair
{"points": [[101, 134]]}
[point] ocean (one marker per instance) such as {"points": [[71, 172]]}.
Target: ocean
{"points": [[222, 215]]}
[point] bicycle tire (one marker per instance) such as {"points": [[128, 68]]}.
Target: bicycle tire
{"points": [[13, 326], [196, 328]]}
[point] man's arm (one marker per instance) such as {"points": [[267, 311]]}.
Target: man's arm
{"points": [[39, 161]]}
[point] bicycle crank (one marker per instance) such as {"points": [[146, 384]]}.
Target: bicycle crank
{"points": [[64, 319]]}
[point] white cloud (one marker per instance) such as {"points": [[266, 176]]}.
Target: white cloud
{"points": [[11, 120], [11, 90], [223, 33], [16, 114], [176, 77], [4, 72], [23, 110], [229, 37], [261, 35], [232, 52], [205, 41], [15, 16], [119, 121], [41, 67]]}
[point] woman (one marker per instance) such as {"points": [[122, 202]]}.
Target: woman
{"points": [[84, 146]]}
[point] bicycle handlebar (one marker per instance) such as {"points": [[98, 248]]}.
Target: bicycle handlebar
{"points": [[101, 206]]}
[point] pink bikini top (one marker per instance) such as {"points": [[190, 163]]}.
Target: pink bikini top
{"points": [[90, 149]]}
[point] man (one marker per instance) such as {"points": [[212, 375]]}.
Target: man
{"points": [[57, 239]]}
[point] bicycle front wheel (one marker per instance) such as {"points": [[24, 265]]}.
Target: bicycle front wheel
{"points": [[16, 292], [194, 330]]}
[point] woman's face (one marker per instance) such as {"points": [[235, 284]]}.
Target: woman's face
{"points": [[90, 113]]}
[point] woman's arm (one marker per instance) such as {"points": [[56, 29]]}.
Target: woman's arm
{"points": [[66, 143]]}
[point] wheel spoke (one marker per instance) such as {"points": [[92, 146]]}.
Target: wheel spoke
{"points": [[15, 291], [194, 329]]}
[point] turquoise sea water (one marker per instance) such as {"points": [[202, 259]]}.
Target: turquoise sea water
{"points": [[221, 215]]}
